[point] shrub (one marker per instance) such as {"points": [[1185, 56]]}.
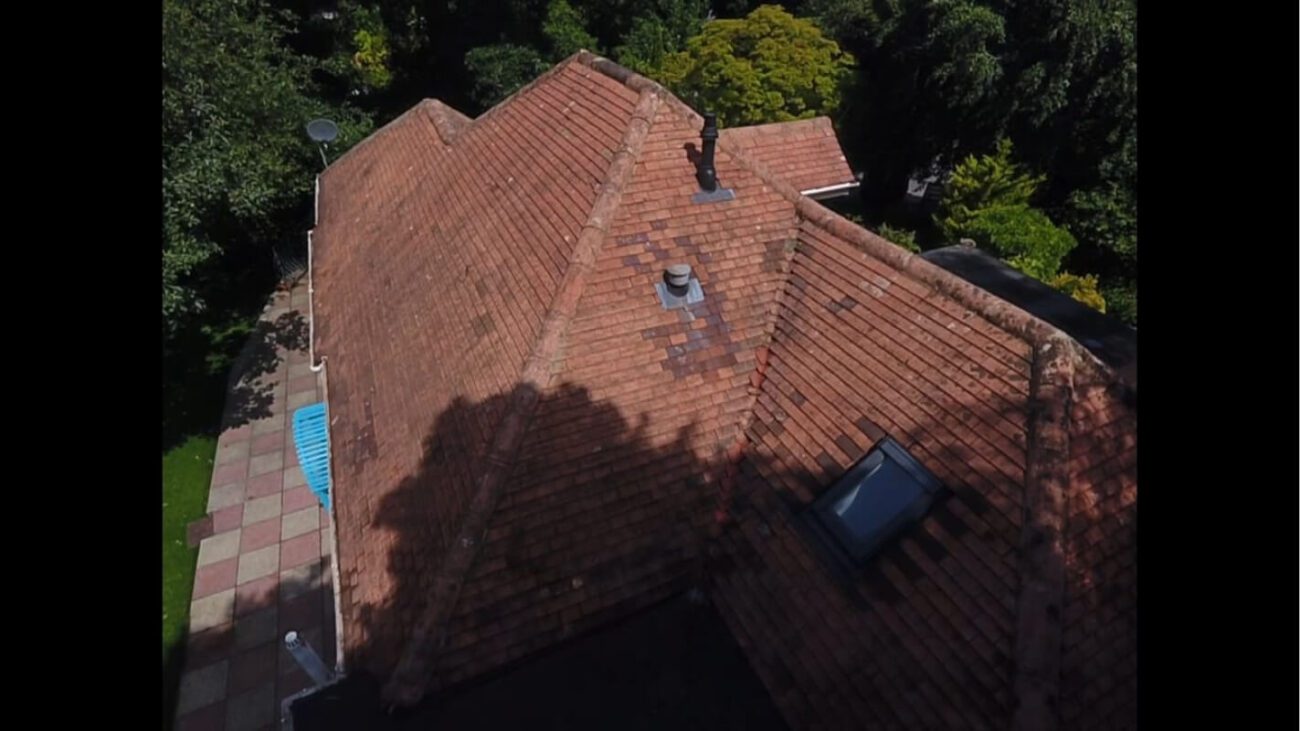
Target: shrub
{"points": [[979, 182], [900, 236], [1022, 236], [1081, 288]]}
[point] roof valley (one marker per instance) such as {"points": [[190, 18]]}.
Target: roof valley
{"points": [[420, 657], [730, 474]]}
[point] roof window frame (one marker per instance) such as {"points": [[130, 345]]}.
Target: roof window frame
{"points": [[858, 550]]}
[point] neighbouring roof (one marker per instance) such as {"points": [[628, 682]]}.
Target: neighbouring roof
{"points": [[528, 446], [1108, 338], [803, 153]]}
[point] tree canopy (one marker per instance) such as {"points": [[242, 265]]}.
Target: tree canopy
{"points": [[236, 161], [565, 28], [1025, 237], [941, 79], [910, 82], [987, 200], [1083, 288], [767, 67], [501, 69], [664, 29], [983, 181]]}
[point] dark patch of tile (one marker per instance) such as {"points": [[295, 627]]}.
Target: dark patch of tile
{"points": [[904, 563], [827, 463], [932, 549], [869, 427], [847, 445], [950, 522], [483, 324], [972, 499], [879, 585]]}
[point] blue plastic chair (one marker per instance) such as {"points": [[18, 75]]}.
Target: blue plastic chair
{"points": [[311, 438]]}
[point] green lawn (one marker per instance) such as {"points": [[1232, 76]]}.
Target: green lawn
{"points": [[187, 470]]}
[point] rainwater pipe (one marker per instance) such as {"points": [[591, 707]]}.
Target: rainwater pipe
{"points": [[312, 664], [311, 288], [307, 659], [830, 191]]}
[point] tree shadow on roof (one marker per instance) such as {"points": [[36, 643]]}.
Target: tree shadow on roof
{"points": [[600, 519], [588, 532]]}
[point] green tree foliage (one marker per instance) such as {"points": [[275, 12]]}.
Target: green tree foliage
{"points": [[371, 58], [983, 181], [1024, 237], [1121, 299], [664, 30], [939, 79], [766, 67], [500, 70], [900, 236], [1058, 76], [565, 30], [1106, 214], [353, 46], [1081, 288], [966, 76], [236, 162]]}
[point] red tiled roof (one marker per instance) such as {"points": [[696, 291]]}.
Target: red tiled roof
{"points": [[527, 445], [1099, 615], [803, 153]]}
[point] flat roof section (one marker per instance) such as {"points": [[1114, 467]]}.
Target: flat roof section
{"points": [[673, 666], [1108, 338]]}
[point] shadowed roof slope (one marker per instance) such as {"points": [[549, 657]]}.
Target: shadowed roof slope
{"points": [[529, 446]]}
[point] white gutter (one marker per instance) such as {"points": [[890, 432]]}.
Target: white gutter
{"points": [[311, 315], [311, 289], [339, 667], [830, 191], [325, 393]]}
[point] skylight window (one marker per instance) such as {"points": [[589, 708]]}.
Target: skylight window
{"points": [[875, 500]]}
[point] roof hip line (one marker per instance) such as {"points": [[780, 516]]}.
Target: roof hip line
{"points": [[1036, 674], [447, 122], [417, 664], [997, 311]]}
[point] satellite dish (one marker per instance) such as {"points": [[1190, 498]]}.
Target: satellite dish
{"points": [[322, 130]]}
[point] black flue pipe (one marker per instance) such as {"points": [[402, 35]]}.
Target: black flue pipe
{"points": [[705, 173]]}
